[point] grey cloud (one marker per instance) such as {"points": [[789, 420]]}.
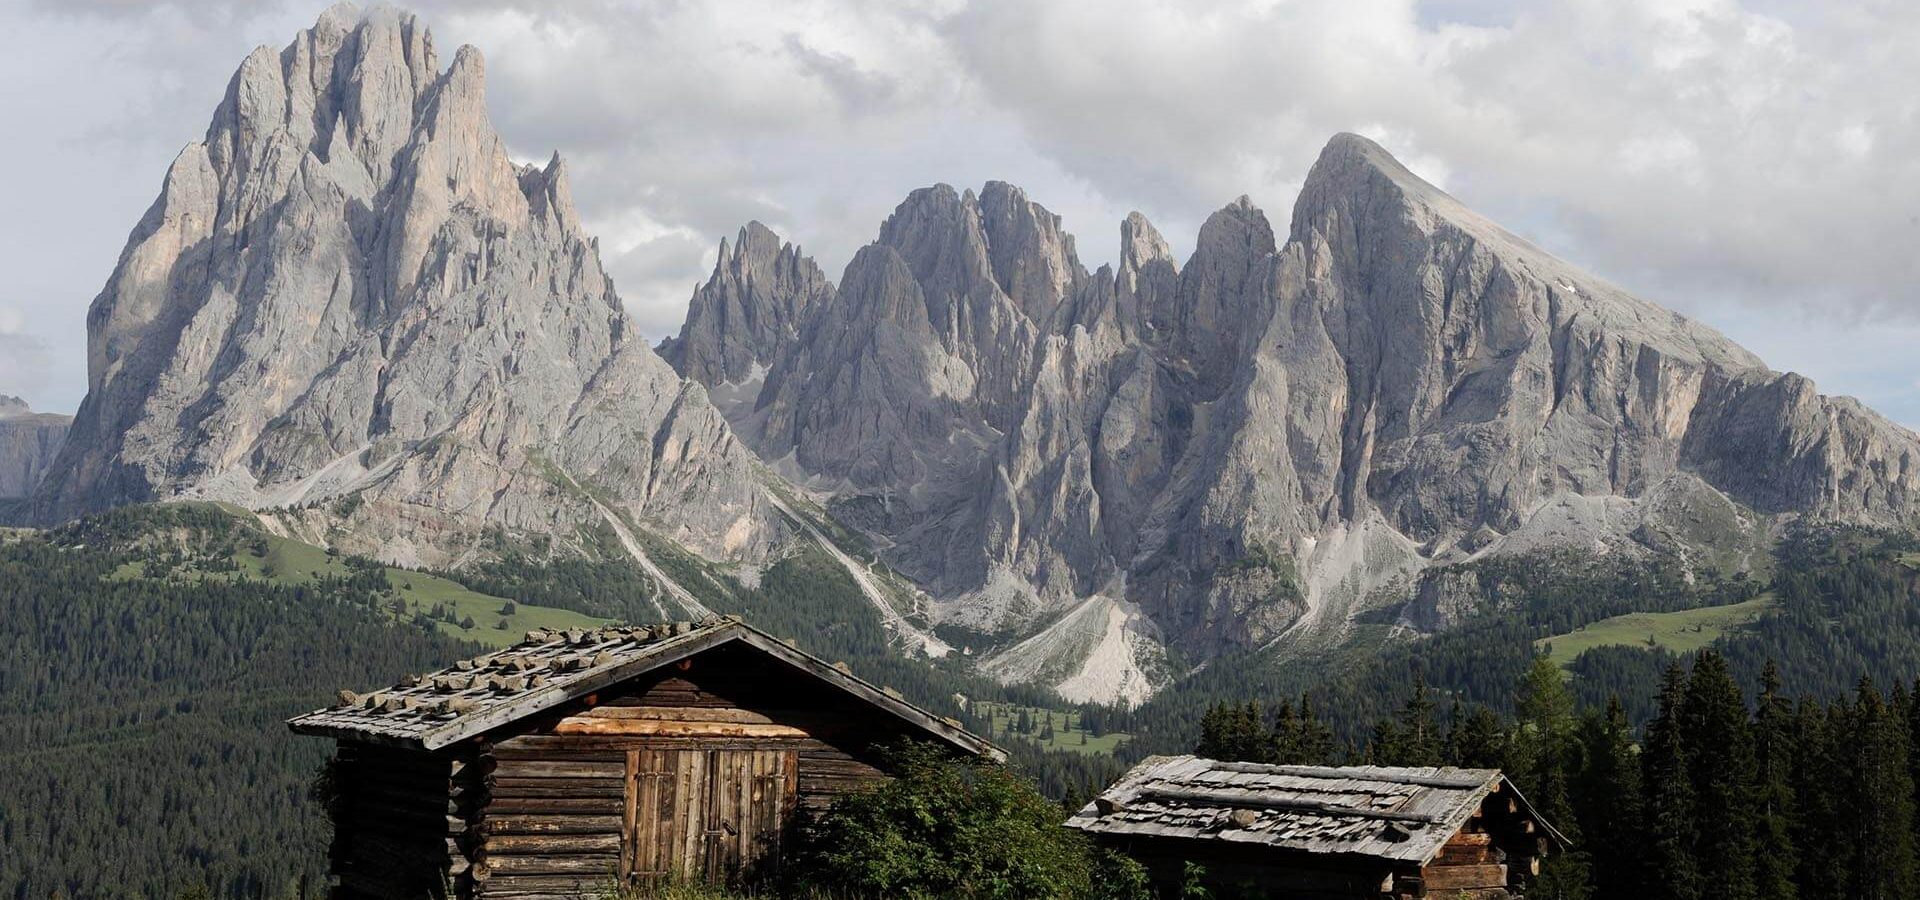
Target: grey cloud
{"points": [[1743, 161], [842, 74]]}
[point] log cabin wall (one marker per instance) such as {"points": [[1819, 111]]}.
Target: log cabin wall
{"points": [[1496, 852], [398, 821], [695, 769]]}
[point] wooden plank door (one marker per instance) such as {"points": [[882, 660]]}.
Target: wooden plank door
{"points": [[747, 812], [666, 813], [706, 815]]}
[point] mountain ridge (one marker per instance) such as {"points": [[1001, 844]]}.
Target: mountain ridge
{"points": [[351, 312], [1395, 383], [350, 307], [28, 443]]}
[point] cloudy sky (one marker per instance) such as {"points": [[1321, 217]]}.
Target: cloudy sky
{"points": [[1755, 164]]}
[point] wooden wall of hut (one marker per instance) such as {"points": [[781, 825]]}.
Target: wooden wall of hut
{"points": [[401, 820], [694, 771]]}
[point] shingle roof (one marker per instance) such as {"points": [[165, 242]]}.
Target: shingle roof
{"points": [[476, 695], [1398, 814]]}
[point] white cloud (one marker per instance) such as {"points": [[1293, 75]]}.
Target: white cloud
{"points": [[1737, 160]]}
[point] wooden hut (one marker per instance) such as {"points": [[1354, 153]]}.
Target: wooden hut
{"points": [[578, 758], [1313, 831]]}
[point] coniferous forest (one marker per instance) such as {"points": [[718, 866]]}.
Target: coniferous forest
{"points": [[1714, 798], [141, 718], [146, 674]]}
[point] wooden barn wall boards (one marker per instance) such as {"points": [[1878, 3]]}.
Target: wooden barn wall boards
{"points": [[575, 759]]}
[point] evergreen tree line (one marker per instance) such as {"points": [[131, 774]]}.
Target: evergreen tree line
{"points": [[141, 718], [1780, 799], [141, 702]]}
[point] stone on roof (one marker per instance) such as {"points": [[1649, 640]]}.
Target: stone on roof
{"points": [[548, 668], [1393, 813]]}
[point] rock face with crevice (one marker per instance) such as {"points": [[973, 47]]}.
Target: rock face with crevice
{"points": [[752, 306], [350, 309], [350, 302], [1282, 431], [28, 443]]}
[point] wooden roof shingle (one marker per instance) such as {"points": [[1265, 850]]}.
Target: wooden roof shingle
{"points": [[1390, 813], [548, 668]]}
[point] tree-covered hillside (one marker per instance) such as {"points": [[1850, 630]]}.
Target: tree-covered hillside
{"points": [[151, 654], [141, 718], [1843, 603]]}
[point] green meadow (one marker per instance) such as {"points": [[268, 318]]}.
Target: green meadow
{"points": [[1682, 632]]}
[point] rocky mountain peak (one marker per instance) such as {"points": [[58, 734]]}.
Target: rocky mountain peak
{"points": [[11, 406], [550, 195], [352, 80], [1033, 259], [755, 245], [1141, 244], [1274, 435], [1234, 237], [1210, 318], [349, 289], [967, 249], [759, 296]]}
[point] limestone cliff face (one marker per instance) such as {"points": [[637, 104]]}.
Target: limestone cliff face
{"points": [[351, 310], [1256, 444], [28, 442], [347, 289], [760, 292]]}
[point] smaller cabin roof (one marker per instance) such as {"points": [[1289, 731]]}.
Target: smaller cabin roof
{"points": [[1389, 813], [548, 668]]}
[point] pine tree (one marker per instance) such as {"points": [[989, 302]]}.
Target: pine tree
{"points": [[1542, 755], [1879, 798], [1775, 855], [1419, 735], [1542, 739], [1284, 737], [1234, 732], [1721, 765], [1913, 758], [1480, 742], [1824, 867], [1608, 801], [1385, 746], [1316, 737], [1665, 778]]}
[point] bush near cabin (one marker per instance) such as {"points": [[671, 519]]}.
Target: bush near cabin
{"points": [[946, 827]]}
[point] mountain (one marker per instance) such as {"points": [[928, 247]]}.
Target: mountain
{"points": [[752, 305], [1255, 447], [350, 309], [353, 313], [28, 442]]}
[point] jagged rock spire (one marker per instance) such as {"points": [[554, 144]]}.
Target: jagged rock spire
{"points": [[1400, 382], [753, 305], [348, 288]]}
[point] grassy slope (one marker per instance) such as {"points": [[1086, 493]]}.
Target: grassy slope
{"points": [[1680, 632], [1066, 728], [289, 562]]}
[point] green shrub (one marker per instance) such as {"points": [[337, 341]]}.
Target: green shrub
{"points": [[947, 827]]}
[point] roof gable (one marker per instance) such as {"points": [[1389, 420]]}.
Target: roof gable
{"points": [[474, 696], [1398, 814]]}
